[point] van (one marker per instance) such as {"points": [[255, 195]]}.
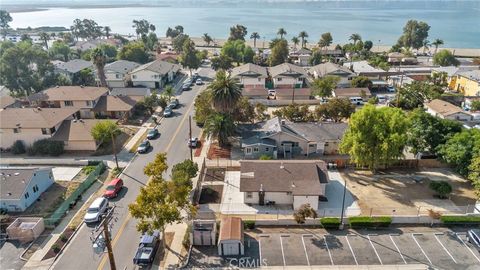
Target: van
{"points": [[96, 210], [356, 100]]}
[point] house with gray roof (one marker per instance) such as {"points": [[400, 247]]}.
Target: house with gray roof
{"points": [[135, 93], [331, 69], [21, 187], [72, 67], [117, 73], [251, 76], [288, 75], [281, 138], [154, 74]]}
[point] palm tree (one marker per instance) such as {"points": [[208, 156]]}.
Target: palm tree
{"points": [[99, 59], [107, 31], [426, 44], [169, 91], [325, 40], [437, 42], [225, 92], [281, 32], [254, 36], [295, 41], [104, 132], [355, 37], [45, 38], [207, 38], [303, 35], [219, 126]]}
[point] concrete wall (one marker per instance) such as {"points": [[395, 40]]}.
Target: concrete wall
{"points": [[249, 82], [80, 146], [280, 81], [116, 83], [299, 200], [278, 197], [28, 235]]}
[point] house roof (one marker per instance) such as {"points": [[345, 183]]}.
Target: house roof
{"points": [[473, 75], [114, 104], [301, 177], [257, 140], [231, 228], [130, 91], [14, 182], [121, 66], [287, 69], [34, 117], [444, 108], [76, 130], [61, 93], [158, 66], [6, 101], [303, 51], [351, 92], [286, 92], [321, 131], [250, 70], [93, 43], [329, 68], [362, 67], [74, 66]]}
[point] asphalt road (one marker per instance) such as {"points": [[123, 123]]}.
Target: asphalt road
{"points": [[172, 140]]}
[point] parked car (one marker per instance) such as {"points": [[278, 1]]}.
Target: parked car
{"points": [[391, 89], [175, 103], [193, 142], [473, 237], [113, 188], [382, 99], [189, 81], [143, 147], [147, 249], [199, 81], [170, 106], [356, 100], [186, 86], [96, 210], [167, 112], [152, 134]]}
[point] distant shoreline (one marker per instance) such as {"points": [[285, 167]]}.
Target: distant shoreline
{"points": [[24, 8]]}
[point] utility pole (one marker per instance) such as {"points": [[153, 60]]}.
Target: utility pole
{"points": [[190, 136], [97, 240]]}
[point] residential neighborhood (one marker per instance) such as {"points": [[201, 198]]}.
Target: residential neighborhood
{"points": [[155, 149]]}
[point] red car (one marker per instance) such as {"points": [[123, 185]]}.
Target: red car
{"points": [[113, 188]]}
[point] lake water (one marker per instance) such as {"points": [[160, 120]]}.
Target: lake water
{"points": [[456, 22]]}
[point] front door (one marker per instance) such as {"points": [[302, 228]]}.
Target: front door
{"points": [[157, 85]]}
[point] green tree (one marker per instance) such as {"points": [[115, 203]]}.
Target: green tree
{"points": [[244, 111], [187, 166], [281, 32], [99, 60], [445, 58], [142, 28], [104, 132], [225, 92], [107, 30], [255, 36], [414, 34], [436, 43], [375, 136], [238, 32], [368, 45], [325, 40], [207, 39], [460, 149], [295, 42], [474, 173], [355, 37], [173, 33], [316, 58], [303, 212], [189, 57], [279, 53], [5, 20], [135, 52], [475, 105], [295, 113], [150, 41], [442, 188], [361, 81], [303, 36], [84, 77], [261, 111], [179, 41], [45, 37], [238, 51], [110, 51], [219, 126], [60, 50], [203, 107], [169, 91], [222, 62], [415, 94], [336, 109], [324, 86]]}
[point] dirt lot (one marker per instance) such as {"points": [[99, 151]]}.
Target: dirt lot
{"points": [[214, 174], [49, 200], [406, 192], [211, 194]]}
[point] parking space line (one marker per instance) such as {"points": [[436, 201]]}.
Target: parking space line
{"points": [[471, 251], [446, 250], [283, 254], [421, 249], [329, 254], [351, 250], [374, 249], [395, 244], [305, 249]]}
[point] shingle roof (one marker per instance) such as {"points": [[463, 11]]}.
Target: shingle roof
{"points": [[444, 108], [114, 104], [74, 66], [121, 66], [158, 66], [329, 68], [34, 117], [231, 228], [6, 101], [130, 91], [61, 93], [76, 130], [472, 75], [287, 69], [319, 131], [351, 92], [14, 182], [363, 67], [301, 177], [250, 70]]}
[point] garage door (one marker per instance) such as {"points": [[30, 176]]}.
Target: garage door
{"points": [[231, 249]]}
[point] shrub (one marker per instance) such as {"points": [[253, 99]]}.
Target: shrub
{"points": [[56, 248], [369, 222], [265, 157], [249, 224], [89, 169], [18, 147], [47, 147], [330, 222], [186, 237], [460, 219], [63, 238], [442, 188]]}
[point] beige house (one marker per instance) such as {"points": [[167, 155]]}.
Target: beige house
{"points": [[446, 110], [76, 135], [117, 73], [251, 76], [82, 98], [8, 102], [287, 75], [117, 107], [31, 124], [289, 182], [331, 69], [154, 74]]}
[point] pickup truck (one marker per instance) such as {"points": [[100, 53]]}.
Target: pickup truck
{"points": [[147, 248]]}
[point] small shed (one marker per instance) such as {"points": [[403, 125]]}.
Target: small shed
{"points": [[231, 239], [26, 229], [203, 232]]}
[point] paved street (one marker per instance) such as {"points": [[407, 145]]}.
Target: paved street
{"points": [[173, 140]]}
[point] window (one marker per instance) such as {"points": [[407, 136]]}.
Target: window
{"points": [[134, 76], [117, 76], [289, 193], [27, 195], [279, 79], [255, 149], [259, 79], [44, 131], [267, 149], [52, 130], [35, 189], [89, 103], [16, 130], [249, 150], [249, 195], [68, 103], [295, 144]]}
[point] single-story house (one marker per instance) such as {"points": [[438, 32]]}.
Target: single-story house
{"points": [[293, 93], [447, 110], [301, 56], [352, 92], [117, 73], [363, 68], [117, 107], [21, 187], [72, 67], [255, 93], [84, 45], [76, 135], [281, 137], [171, 57], [331, 69], [231, 239], [31, 124], [287, 75], [135, 93], [250, 75], [154, 74], [285, 182]]}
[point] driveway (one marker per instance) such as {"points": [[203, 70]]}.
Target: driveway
{"points": [[334, 193], [10, 253]]}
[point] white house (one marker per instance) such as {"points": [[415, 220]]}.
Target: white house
{"points": [[446, 110], [331, 69], [154, 74], [251, 76], [287, 75], [22, 187], [117, 73], [285, 182]]}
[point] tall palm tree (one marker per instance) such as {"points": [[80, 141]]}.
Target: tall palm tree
{"points": [[225, 92], [281, 32], [355, 37], [219, 126], [45, 37], [255, 36], [295, 42], [325, 40], [99, 60], [207, 38], [426, 44], [437, 42], [107, 31], [303, 35]]}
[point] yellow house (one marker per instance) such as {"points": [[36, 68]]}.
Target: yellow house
{"points": [[467, 83]]}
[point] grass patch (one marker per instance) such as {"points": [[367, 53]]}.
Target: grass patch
{"points": [[460, 219], [249, 224], [330, 222], [89, 169], [369, 222], [138, 142]]}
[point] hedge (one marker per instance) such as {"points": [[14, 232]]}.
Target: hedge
{"points": [[18, 147], [369, 222], [330, 222], [460, 219], [249, 224], [47, 147]]}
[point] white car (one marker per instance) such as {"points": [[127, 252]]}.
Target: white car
{"points": [[199, 81], [96, 210], [391, 89]]}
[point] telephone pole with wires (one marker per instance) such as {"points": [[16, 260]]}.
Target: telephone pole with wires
{"points": [[101, 236]]}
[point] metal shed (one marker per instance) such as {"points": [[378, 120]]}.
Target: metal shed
{"points": [[231, 239]]}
